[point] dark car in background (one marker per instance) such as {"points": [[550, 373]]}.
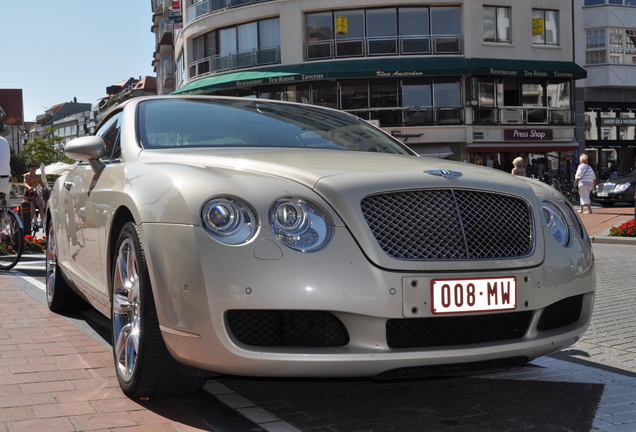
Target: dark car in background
{"points": [[614, 190]]}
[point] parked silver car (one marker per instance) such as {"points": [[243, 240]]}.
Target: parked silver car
{"points": [[262, 238]]}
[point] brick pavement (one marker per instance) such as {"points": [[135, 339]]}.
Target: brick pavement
{"points": [[602, 219], [55, 378]]}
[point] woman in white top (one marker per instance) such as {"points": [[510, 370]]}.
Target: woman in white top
{"points": [[586, 180]]}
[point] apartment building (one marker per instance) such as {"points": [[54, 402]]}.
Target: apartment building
{"points": [[606, 31], [474, 81]]}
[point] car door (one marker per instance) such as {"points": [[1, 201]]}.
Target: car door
{"points": [[86, 229]]}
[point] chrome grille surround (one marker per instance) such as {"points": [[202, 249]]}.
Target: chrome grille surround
{"points": [[450, 224]]}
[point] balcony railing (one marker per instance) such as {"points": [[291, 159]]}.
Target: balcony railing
{"points": [[201, 8], [235, 60], [413, 116], [523, 115], [164, 27], [398, 45]]}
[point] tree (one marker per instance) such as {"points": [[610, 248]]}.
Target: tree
{"points": [[46, 148], [18, 165]]}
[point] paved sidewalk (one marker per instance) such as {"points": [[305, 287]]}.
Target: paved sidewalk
{"points": [[55, 378], [602, 219]]}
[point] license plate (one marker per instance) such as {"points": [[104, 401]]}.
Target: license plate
{"points": [[602, 194], [452, 296]]}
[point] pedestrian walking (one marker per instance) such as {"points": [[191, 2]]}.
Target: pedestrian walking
{"points": [[585, 179]]}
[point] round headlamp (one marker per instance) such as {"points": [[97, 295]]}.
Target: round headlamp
{"points": [[229, 221], [556, 223], [299, 224]]}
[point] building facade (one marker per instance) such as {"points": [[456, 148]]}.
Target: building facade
{"points": [[474, 81], [607, 31]]}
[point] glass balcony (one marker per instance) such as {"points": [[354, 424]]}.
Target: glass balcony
{"points": [[235, 60], [201, 8], [384, 46], [523, 115], [412, 116]]}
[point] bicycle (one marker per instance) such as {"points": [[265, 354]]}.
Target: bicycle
{"points": [[11, 235], [570, 192], [38, 220]]}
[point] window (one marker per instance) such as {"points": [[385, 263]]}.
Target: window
{"points": [[325, 94], [180, 72], [245, 45], [383, 31], [496, 24], [611, 2], [413, 30], [416, 93], [545, 27], [110, 134], [203, 48], [595, 46], [612, 45]]}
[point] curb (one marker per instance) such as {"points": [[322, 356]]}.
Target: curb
{"points": [[613, 240]]}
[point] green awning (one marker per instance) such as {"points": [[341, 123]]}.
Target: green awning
{"points": [[407, 67]]}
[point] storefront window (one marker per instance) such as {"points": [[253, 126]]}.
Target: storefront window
{"points": [[384, 93], [325, 94], [298, 93], [533, 95], [627, 132], [591, 131], [448, 99], [272, 92], [416, 93], [355, 94]]}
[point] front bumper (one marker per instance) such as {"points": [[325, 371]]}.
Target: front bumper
{"points": [[197, 281]]}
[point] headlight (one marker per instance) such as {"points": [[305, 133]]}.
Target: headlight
{"points": [[229, 221], [622, 187], [300, 224], [556, 223]]}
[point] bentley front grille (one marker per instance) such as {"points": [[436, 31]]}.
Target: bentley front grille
{"points": [[450, 224]]}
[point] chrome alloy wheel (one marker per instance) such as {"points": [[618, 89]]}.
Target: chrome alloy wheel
{"points": [[126, 310], [51, 264]]}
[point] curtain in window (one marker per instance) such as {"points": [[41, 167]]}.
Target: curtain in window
{"points": [[269, 33], [247, 36]]}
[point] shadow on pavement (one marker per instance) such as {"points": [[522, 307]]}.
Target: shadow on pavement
{"points": [[456, 404]]}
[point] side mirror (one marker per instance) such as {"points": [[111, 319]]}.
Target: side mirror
{"points": [[88, 148]]}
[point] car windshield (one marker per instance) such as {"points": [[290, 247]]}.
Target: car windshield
{"points": [[191, 122]]}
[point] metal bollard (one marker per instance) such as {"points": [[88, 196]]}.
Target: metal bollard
{"points": [[26, 217]]}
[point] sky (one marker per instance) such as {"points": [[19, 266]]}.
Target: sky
{"points": [[59, 50]]}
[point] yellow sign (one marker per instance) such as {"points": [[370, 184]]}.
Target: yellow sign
{"points": [[538, 26], [341, 24]]}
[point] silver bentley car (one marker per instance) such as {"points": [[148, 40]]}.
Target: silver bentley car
{"points": [[261, 238]]}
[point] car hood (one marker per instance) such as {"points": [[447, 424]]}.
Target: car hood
{"points": [[618, 180], [344, 178], [311, 167]]}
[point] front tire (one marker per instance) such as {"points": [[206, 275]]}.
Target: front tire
{"points": [[144, 366]]}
